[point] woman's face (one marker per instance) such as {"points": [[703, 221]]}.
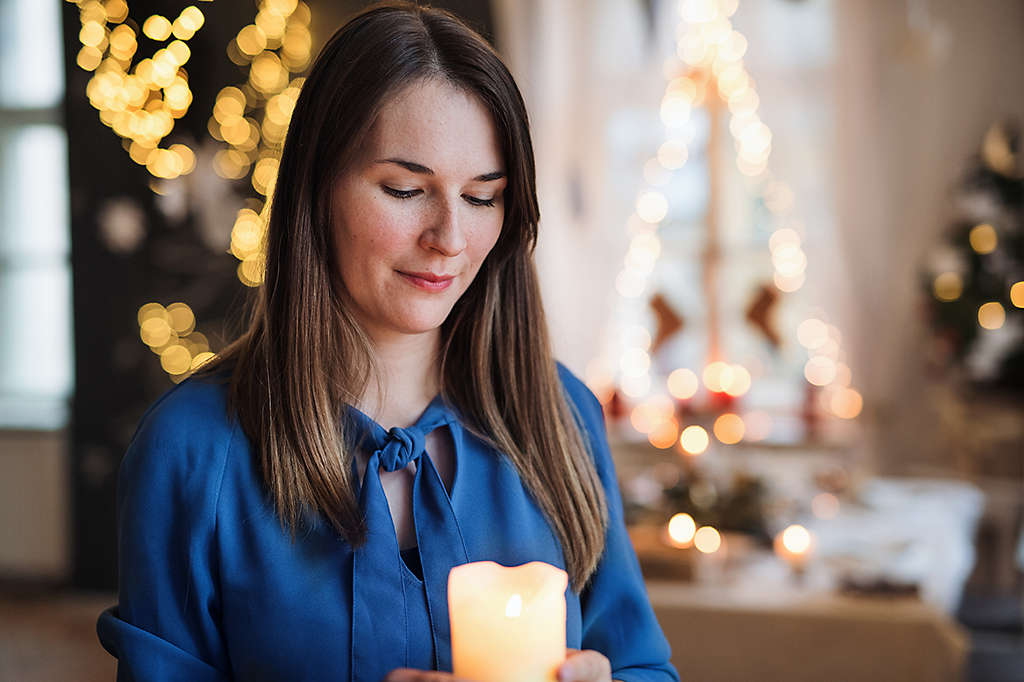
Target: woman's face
{"points": [[419, 209]]}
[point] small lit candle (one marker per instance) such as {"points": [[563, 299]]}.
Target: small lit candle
{"points": [[794, 546], [508, 623]]}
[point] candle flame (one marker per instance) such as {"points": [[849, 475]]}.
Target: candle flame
{"points": [[514, 606]]}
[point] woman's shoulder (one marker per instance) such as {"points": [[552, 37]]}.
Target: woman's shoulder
{"points": [[186, 431]]}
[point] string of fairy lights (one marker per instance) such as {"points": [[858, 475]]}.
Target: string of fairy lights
{"points": [[252, 118], [141, 101], [709, 63]]}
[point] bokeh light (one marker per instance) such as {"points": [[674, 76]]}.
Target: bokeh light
{"points": [[707, 540]]}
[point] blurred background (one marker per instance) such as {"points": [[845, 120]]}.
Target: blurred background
{"points": [[782, 240]]}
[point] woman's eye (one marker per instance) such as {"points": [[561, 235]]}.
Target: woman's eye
{"points": [[476, 201], [400, 193]]}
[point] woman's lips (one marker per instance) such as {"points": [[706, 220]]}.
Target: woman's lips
{"points": [[426, 281]]}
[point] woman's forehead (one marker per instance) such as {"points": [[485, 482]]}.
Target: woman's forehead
{"points": [[437, 126]]}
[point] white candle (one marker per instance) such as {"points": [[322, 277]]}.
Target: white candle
{"points": [[508, 623]]}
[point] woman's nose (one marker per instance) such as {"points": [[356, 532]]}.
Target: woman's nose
{"points": [[444, 233]]}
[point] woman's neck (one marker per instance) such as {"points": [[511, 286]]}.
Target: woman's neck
{"points": [[409, 368]]}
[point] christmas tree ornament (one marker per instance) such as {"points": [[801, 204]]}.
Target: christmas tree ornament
{"points": [[760, 313], [669, 322]]}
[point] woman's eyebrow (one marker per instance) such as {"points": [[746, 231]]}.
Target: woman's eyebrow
{"points": [[423, 170]]}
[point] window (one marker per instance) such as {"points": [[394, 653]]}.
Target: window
{"points": [[36, 375]]}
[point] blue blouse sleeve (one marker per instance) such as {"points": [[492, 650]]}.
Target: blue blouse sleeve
{"points": [[618, 620], [166, 624]]}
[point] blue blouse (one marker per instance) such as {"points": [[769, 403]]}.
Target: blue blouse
{"points": [[213, 589]]}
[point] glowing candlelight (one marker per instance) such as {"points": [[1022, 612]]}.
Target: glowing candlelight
{"points": [[508, 623]]}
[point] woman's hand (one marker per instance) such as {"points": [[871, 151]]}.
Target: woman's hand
{"points": [[585, 666], [579, 666]]}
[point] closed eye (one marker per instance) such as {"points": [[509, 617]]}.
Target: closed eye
{"points": [[410, 193], [477, 201], [401, 193]]}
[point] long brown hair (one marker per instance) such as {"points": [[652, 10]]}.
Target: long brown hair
{"points": [[304, 355]]}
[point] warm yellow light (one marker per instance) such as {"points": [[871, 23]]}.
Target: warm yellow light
{"points": [[281, 7], [796, 539], [789, 260], [707, 540], [151, 310], [729, 428], [201, 359], [264, 175], [681, 529], [246, 234], [252, 267], [191, 19], [825, 506], [251, 40], [785, 236], [682, 383], [820, 370], [179, 51], [812, 333], [1017, 294], [187, 157], [664, 434], [672, 154], [175, 359], [266, 74], [991, 315], [847, 403], [157, 27], [948, 286], [983, 238], [155, 332], [183, 320], [734, 47], [652, 207], [739, 382], [789, 284], [89, 58], [514, 606], [273, 24], [694, 440], [675, 109], [92, 34], [116, 10], [636, 387], [630, 283], [635, 362], [717, 375], [122, 42]]}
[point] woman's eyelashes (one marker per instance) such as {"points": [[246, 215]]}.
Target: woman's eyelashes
{"points": [[409, 193]]}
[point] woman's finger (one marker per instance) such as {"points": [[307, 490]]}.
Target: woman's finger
{"points": [[585, 666]]}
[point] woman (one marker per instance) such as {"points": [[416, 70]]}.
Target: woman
{"points": [[292, 512]]}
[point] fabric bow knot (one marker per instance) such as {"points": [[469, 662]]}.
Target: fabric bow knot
{"points": [[402, 446]]}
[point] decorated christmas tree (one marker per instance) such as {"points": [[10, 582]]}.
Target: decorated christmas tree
{"points": [[976, 279]]}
